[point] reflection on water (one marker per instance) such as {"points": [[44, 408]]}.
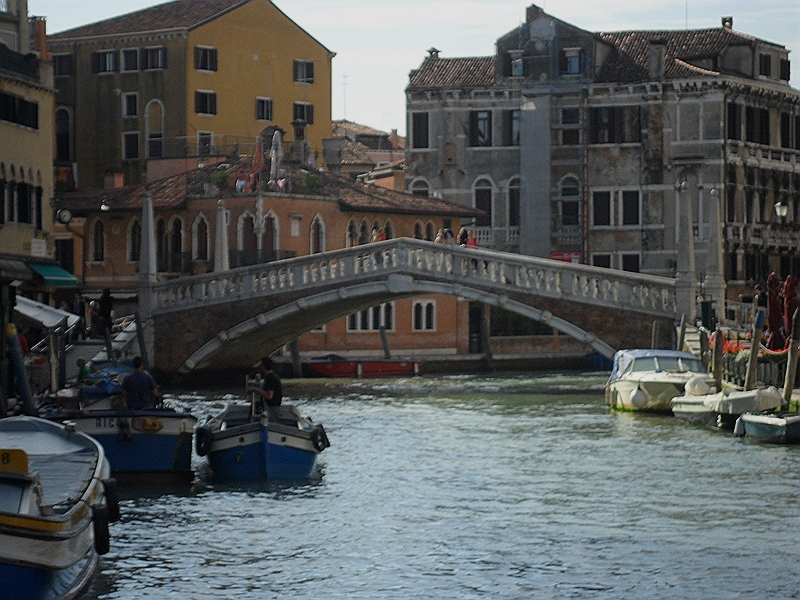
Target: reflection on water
{"points": [[472, 487]]}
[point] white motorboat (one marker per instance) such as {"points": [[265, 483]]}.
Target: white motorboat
{"points": [[702, 404], [648, 380]]}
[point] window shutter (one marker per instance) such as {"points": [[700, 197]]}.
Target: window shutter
{"points": [[214, 59], [310, 114], [197, 102], [95, 62], [143, 59], [310, 72], [212, 104], [197, 53], [162, 52], [562, 61]]}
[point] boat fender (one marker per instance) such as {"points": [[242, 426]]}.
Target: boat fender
{"points": [[203, 440], [112, 499], [102, 538], [319, 438], [638, 397]]}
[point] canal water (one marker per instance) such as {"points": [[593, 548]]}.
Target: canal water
{"points": [[472, 487]]}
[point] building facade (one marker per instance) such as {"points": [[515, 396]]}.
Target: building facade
{"points": [[153, 92], [635, 150], [301, 213]]}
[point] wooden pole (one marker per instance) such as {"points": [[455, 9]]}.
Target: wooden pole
{"points": [[654, 335], [755, 343], [681, 332], [716, 365], [791, 361], [385, 341], [704, 347], [294, 351]]}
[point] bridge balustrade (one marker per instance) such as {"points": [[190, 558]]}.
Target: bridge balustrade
{"points": [[488, 269]]}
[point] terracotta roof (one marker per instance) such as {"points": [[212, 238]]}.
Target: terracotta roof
{"points": [[171, 193], [179, 15], [342, 127], [436, 72], [627, 62], [355, 153]]}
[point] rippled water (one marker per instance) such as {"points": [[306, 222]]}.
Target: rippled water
{"points": [[473, 487]]}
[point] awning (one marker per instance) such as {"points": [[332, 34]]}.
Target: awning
{"points": [[42, 314], [54, 275], [14, 269]]}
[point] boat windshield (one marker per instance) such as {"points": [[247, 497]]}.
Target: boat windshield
{"points": [[674, 364]]}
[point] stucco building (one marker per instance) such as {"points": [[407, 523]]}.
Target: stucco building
{"points": [[622, 149], [301, 212], [147, 93]]}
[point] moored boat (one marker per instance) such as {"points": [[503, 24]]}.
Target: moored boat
{"points": [[137, 443], [721, 409], [773, 428], [332, 365], [648, 380], [56, 501], [241, 443]]}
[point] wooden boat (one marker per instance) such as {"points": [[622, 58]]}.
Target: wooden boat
{"points": [[332, 365], [773, 428], [648, 380], [721, 409], [242, 443], [140, 443], [56, 501]]}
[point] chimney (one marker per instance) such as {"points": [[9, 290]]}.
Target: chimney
{"points": [[113, 179], [433, 52], [727, 22], [655, 58], [532, 13], [393, 139], [40, 37]]}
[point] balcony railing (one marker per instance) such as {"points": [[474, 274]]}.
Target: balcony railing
{"points": [[764, 234], [758, 151]]}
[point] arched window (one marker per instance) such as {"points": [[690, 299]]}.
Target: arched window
{"points": [[135, 241], [513, 202], [417, 230], [482, 200], [317, 235], [154, 126], [430, 231], [200, 241], [271, 236], [246, 239], [352, 234], [388, 230], [98, 242], [176, 246], [363, 233], [63, 127], [420, 188], [162, 245]]}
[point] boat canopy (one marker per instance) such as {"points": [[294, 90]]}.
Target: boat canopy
{"points": [[623, 358]]}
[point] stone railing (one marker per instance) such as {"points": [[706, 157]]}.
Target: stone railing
{"points": [[499, 272]]}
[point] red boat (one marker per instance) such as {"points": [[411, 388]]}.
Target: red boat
{"points": [[337, 366]]}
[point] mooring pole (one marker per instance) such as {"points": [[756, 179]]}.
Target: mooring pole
{"points": [[755, 343], [791, 361]]}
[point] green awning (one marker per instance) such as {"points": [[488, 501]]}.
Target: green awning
{"points": [[54, 275]]}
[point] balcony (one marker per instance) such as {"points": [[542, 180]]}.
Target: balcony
{"points": [[753, 151], [767, 235]]}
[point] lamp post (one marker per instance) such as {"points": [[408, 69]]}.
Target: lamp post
{"points": [[782, 210]]}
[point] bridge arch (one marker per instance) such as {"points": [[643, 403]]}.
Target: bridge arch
{"points": [[334, 304]]}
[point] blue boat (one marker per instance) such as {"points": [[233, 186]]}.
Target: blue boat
{"points": [[56, 502], [137, 443], [781, 427], [241, 443]]}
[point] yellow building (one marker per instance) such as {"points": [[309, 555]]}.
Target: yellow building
{"points": [[153, 92]]}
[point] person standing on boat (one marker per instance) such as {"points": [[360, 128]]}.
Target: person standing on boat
{"points": [[271, 391], [141, 390]]}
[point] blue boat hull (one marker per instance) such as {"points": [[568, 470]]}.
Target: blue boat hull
{"points": [[147, 442], [46, 584], [776, 428], [240, 449]]}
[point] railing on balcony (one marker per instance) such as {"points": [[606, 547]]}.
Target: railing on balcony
{"points": [[490, 237], [764, 234], [758, 151]]}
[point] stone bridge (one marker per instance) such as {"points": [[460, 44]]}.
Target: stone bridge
{"points": [[224, 319]]}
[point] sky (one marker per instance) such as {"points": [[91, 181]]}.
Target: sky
{"points": [[378, 42]]}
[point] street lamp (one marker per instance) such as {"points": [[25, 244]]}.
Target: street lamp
{"points": [[782, 210]]}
